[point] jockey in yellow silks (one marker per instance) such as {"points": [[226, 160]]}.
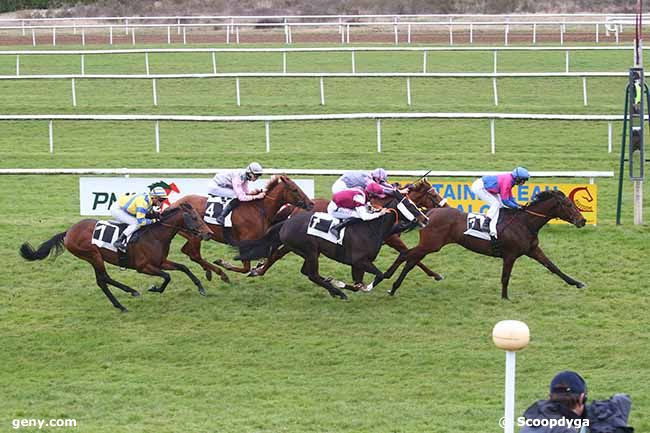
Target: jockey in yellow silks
{"points": [[133, 210]]}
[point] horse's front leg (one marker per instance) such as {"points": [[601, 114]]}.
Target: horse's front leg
{"points": [[229, 266], [192, 249], [150, 269], [508, 263], [173, 266], [396, 243], [539, 255]]}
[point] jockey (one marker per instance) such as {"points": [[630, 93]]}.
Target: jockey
{"points": [[496, 191], [350, 206], [133, 210], [359, 179], [235, 184]]}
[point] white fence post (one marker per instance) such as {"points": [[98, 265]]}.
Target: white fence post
{"points": [[534, 33], [584, 91], [267, 133], [506, 30], [451, 34], [33, 38], [237, 91], [110, 35], [83, 37], [322, 91], [396, 34], [169, 35], [54, 36], [354, 63], [561, 36], [157, 133], [424, 63], [17, 65], [237, 35], [494, 90], [495, 61], [214, 62], [597, 36], [133, 36], [184, 35], [609, 137], [227, 35], [284, 62], [408, 33], [83, 64], [146, 63], [492, 140], [471, 33], [347, 38], [408, 91], [566, 62], [51, 137], [155, 92], [74, 94], [379, 135]]}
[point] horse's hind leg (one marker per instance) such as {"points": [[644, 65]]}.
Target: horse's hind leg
{"points": [[275, 256], [413, 256], [121, 286], [310, 269], [539, 255], [401, 258], [100, 277], [229, 266], [192, 249], [173, 266]]}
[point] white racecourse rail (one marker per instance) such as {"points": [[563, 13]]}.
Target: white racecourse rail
{"points": [[285, 74], [267, 119], [591, 175], [404, 25]]}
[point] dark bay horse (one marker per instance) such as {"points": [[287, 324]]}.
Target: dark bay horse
{"points": [[518, 230], [250, 220], [360, 247], [148, 255], [421, 193]]}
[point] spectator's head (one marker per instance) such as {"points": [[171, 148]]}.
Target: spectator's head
{"points": [[569, 389]]}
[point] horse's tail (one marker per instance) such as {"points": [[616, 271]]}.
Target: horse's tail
{"points": [[260, 248], [45, 249]]}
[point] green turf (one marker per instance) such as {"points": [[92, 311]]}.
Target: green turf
{"points": [[277, 354]]}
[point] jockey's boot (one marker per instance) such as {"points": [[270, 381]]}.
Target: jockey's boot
{"points": [[120, 243], [221, 219], [486, 225], [336, 229]]}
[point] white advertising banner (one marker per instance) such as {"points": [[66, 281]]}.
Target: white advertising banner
{"points": [[97, 194]]}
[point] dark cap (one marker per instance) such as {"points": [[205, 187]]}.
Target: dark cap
{"points": [[568, 382]]}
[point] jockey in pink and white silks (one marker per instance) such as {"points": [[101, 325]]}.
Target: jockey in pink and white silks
{"points": [[235, 184], [351, 205], [496, 191], [360, 179]]}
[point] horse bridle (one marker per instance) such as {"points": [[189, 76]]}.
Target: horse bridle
{"points": [[194, 232]]}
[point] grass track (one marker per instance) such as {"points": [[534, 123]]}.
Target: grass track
{"points": [[277, 354]]}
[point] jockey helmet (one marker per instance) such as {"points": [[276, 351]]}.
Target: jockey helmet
{"points": [[159, 192], [253, 170], [520, 173], [373, 188], [379, 175]]}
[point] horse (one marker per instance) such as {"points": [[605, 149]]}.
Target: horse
{"points": [[518, 231], [421, 193], [360, 247], [148, 255], [250, 220]]}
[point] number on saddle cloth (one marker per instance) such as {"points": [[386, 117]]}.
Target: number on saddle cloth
{"points": [[321, 224], [107, 232], [213, 208]]}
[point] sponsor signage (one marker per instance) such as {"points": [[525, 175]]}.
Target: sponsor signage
{"points": [[460, 195], [97, 194]]}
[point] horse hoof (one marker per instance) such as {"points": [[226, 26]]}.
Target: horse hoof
{"points": [[338, 284], [208, 275], [202, 292], [391, 292], [135, 294], [439, 277], [219, 262], [154, 289], [124, 310], [253, 273], [581, 285]]}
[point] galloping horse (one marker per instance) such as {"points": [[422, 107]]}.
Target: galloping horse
{"points": [[360, 247], [421, 193], [518, 230], [148, 255], [250, 220]]}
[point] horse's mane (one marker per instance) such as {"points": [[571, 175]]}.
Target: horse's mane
{"points": [[275, 180], [546, 195], [170, 211]]}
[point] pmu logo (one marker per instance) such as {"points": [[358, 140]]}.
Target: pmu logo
{"points": [[582, 198]]}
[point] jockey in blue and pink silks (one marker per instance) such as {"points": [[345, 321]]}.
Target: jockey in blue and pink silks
{"points": [[496, 191]]}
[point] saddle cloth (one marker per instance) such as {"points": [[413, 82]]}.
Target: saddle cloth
{"points": [[319, 226], [107, 232], [474, 224], [213, 209]]}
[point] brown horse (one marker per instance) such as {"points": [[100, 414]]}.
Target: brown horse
{"points": [[250, 220], [148, 255], [518, 230], [421, 193]]}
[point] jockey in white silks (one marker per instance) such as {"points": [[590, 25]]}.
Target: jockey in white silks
{"points": [[236, 184], [496, 191]]}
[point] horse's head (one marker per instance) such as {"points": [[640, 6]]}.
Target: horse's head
{"points": [[423, 195], [185, 217], [557, 205], [285, 190], [405, 208]]}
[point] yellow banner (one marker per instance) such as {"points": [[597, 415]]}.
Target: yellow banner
{"points": [[585, 196]]}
